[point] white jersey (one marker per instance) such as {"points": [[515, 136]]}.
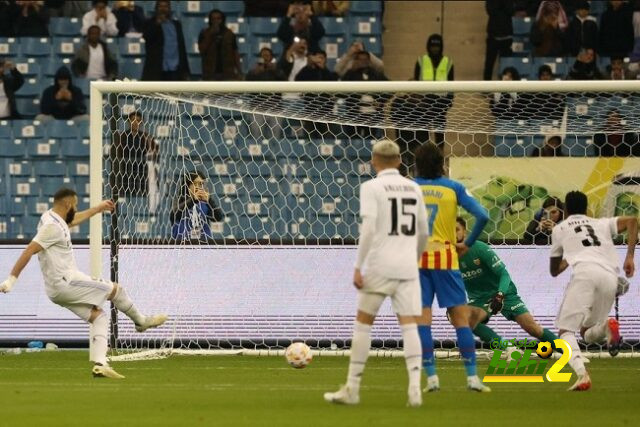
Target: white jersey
{"points": [[56, 259], [395, 204], [584, 240]]}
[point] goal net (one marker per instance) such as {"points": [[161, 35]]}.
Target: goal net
{"points": [[237, 209]]}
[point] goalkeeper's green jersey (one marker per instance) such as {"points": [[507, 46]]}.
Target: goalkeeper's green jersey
{"points": [[484, 273]]}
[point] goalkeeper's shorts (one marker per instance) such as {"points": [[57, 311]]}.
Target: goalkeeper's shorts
{"points": [[447, 285]]}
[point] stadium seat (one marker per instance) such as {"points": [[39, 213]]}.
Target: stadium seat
{"points": [[35, 46], [27, 129], [522, 64], [50, 168], [81, 185], [521, 26], [41, 148], [358, 149], [255, 205], [254, 168], [80, 231], [12, 148], [513, 145], [51, 67], [38, 205], [521, 46], [16, 206], [195, 66], [330, 227], [250, 149], [194, 8], [362, 7], [373, 45], [245, 47], [271, 42], [230, 8], [128, 47], [83, 128], [131, 68], [192, 28], [264, 26], [28, 107], [28, 66], [30, 89], [21, 186], [239, 26], [260, 185], [256, 227], [558, 66], [227, 186], [67, 27], [579, 145], [21, 168], [61, 129], [65, 46], [50, 185], [5, 129], [370, 26], [83, 84], [9, 47], [334, 26]]}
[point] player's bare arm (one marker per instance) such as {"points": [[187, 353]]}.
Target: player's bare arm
{"points": [[32, 249], [80, 217], [557, 265], [630, 225]]}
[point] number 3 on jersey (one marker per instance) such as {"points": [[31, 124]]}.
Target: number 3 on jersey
{"points": [[432, 211], [589, 232], [406, 230]]}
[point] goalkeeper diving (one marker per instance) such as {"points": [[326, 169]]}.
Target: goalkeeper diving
{"points": [[66, 286], [491, 291]]}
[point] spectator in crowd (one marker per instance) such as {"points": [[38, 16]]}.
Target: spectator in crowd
{"points": [[31, 19], [362, 70], [102, 16], [166, 58], [501, 104], [62, 100], [346, 61], [331, 8], [194, 210], [219, 50], [547, 33], [266, 68], [552, 147], [67, 9], [585, 67], [294, 59], [583, 30], [134, 160], [300, 22], [538, 231], [499, 33], [9, 83], [618, 70], [266, 8], [616, 30], [615, 140], [316, 69], [93, 60], [540, 105], [130, 19]]}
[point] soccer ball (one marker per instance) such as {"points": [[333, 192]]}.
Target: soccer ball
{"points": [[544, 349], [298, 355]]}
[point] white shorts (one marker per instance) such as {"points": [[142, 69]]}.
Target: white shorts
{"points": [[80, 291], [405, 295], [588, 298]]}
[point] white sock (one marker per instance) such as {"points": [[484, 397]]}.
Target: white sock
{"points": [[98, 331], [124, 304], [597, 333], [412, 353], [576, 361], [360, 345]]}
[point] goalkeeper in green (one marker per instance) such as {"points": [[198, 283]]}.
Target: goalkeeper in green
{"points": [[491, 291]]}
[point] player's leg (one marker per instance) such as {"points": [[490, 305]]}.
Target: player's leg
{"points": [[533, 328], [406, 304], [121, 300], [368, 306], [424, 330], [597, 326]]}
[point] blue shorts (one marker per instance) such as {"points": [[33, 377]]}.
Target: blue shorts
{"points": [[447, 285]]}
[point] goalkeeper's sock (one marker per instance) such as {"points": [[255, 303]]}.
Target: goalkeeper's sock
{"points": [[486, 334], [98, 330], [412, 353], [124, 304], [467, 346], [428, 359], [576, 362], [597, 333], [360, 345]]}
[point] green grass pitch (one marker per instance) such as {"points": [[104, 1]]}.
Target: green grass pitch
{"points": [[56, 389]]}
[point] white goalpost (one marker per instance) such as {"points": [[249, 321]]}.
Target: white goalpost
{"points": [[237, 202]]}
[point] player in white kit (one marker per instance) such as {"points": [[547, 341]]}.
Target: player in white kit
{"points": [[392, 237], [66, 286], [586, 244]]}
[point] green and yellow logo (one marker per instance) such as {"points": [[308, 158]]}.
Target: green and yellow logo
{"points": [[521, 369]]}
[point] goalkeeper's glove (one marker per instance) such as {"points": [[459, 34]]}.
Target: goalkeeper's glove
{"points": [[6, 286], [623, 286], [496, 303]]}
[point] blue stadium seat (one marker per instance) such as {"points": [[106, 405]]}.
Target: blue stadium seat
{"points": [[264, 26], [16, 206], [9, 46], [339, 187], [192, 28], [21, 168], [5, 129], [255, 205], [358, 149], [239, 26], [83, 128], [28, 66], [61, 129], [315, 149], [254, 168], [193, 8], [83, 84], [28, 107], [21, 186], [329, 227], [521, 46], [148, 6], [334, 26], [131, 68], [522, 64], [50, 168], [41, 148], [128, 47], [78, 168], [80, 231], [373, 45], [250, 149], [245, 47], [227, 186], [65, 46], [30, 89], [370, 26], [256, 227], [27, 129], [50, 68], [559, 67], [81, 185], [50, 185], [260, 185], [513, 145], [271, 42], [195, 66], [35, 46], [12, 148], [68, 27], [521, 26], [365, 7], [230, 8], [38, 205]]}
